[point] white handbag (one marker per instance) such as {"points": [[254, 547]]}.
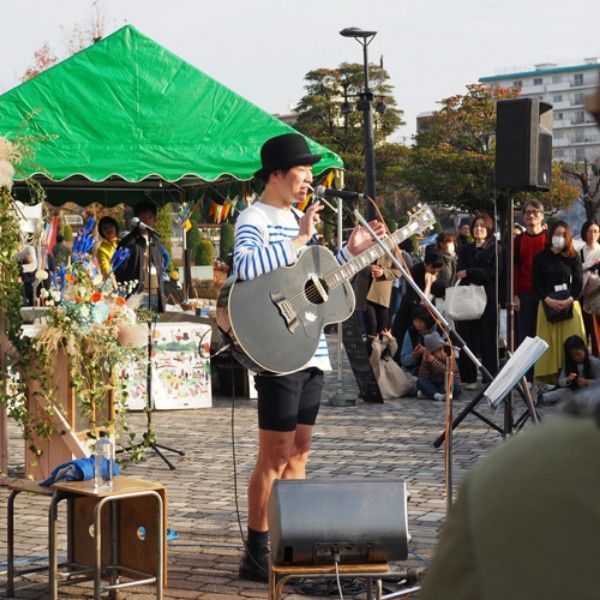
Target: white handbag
{"points": [[465, 302]]}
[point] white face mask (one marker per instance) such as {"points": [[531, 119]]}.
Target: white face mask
{"points": [[450, 249], [558, 242]]}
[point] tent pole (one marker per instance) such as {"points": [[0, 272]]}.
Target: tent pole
{"points": [[186, 256]]}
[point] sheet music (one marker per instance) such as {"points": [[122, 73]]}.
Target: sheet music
{"points": [[514, 370]]}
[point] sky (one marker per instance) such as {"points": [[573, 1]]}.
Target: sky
{"points": [[262, 49]]}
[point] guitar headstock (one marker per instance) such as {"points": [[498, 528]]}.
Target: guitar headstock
{"points": [[421, 218]]}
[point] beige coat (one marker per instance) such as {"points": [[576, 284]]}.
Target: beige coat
{"points": [[380, 291]]}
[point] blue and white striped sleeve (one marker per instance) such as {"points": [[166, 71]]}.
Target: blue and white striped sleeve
{"points": [[343, 256], [252, 255]]}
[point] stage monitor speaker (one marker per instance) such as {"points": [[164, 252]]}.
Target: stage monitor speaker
{"points": [[362, 521], [523, 144]]}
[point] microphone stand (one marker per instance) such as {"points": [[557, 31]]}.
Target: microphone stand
{"points": [[149, 401]]}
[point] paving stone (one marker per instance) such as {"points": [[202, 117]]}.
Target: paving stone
{"points": [[394, 439]]}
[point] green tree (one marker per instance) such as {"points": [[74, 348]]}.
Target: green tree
{"points": [[453, 160], [226, 240], [67, 232], [205, 252], [328, 114], [192, 239], [164, 226]]}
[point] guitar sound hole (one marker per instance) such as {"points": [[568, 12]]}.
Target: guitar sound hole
{"points": [[313, 294]]}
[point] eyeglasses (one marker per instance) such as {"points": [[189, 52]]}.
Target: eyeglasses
{"points": [[532, 212]]}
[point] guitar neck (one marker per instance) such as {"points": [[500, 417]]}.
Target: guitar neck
{"points": [[358, 263]]}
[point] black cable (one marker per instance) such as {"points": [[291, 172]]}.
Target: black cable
{"points": [[235, 474]]}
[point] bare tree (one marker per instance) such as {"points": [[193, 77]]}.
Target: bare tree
{"points": [[587, 178]]}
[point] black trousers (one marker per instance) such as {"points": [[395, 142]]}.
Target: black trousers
{"points": [[590, 332], [481, 336], [377, 318], [526, 319]]}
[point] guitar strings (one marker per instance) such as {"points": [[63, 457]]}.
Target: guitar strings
{"points": [[299, 301]]}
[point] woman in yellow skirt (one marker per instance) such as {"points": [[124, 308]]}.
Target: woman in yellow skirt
{"points": [[557, 282]]}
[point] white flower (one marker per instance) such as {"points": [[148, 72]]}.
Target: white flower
{"points": [[97, 280], [40, 274], [44, 293], [84, 311], [55, 295], [82, 291]]}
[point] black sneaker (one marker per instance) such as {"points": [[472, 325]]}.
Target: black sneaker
{"points": [[255, 566]]}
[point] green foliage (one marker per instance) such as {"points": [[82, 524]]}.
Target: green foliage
{"points": [[320, 114], [205, 252], [10, 289], [437, 227], [226, 241], [192, 239], [164, 226], [67, 232]]}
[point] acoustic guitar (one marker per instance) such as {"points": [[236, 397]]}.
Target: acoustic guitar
{"points": [[274, 321]]}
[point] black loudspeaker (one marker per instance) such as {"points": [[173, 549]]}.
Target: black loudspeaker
{"points": [[361, 521], [523, 144]]}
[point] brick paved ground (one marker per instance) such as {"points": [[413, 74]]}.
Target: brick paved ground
{"points": [[365, 441]]}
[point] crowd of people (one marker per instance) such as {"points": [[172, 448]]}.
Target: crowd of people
{"points": [[553, 283]]}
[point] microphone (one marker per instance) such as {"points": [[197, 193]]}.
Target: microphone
{"points": [[324, 192], [137, 223]]}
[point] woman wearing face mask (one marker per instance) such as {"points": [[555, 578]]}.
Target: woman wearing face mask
{"points": [[557, 283], [481, 262], [446, 242]]}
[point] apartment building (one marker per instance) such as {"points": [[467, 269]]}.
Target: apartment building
{"points": [[576, 136]]}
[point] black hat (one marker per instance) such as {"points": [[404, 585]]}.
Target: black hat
{"points": [[144, 206], [283, 152]]}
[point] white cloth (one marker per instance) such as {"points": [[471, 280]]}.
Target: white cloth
{"points": [[28, 259]]}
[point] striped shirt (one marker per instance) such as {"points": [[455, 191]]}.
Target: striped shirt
{"points": [[263, 243], [436, 371]]}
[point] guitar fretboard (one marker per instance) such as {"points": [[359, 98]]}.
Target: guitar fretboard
{"points": [[346, 271]]}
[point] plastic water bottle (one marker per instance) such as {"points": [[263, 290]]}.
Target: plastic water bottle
{"points": [[105, 457]]}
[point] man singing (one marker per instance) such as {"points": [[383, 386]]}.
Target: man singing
{"points": [[145, 262], [269, 235]]}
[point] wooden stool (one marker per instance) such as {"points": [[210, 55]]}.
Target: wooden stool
{"points": [[280, 574], [18, 486], [135, 529]]}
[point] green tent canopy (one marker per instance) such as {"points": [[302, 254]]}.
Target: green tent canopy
{"points": [[125, 118]]}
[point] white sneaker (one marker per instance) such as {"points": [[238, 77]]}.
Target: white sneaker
{"points": [[471, 386], [419, 394], [439, 397]]}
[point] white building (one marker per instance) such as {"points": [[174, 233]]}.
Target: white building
{"points": [[576, 136]]}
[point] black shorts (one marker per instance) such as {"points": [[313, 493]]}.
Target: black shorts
{"points": [[287, 400]]}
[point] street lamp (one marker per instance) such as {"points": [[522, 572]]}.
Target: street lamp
{"points": [[364, 38]]}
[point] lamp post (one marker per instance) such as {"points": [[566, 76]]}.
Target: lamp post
{"points": [[364, 38]]}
